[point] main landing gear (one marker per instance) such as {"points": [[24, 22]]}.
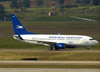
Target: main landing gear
{"points": [[51, 48], [88, 48]]}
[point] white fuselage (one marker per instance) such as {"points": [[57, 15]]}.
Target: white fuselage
{"points": [[73, 40], [56, 41]]}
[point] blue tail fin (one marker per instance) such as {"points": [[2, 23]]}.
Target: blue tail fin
{"points": [[18, 27]]}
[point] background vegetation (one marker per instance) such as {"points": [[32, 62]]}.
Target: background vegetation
{"points": [[36, 18], [21, 8]]}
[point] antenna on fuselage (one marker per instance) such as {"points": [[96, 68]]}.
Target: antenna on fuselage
{"points": [[58, 33]]}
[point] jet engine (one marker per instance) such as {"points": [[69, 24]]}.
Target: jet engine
{"points": [[59, 46]]}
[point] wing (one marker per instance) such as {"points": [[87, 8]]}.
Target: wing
{"points": [[47, 42]]}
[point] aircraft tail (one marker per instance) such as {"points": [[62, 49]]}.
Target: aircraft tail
{"points": [[18, 27]]}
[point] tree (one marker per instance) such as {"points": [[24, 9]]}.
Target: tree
{"points": [[61, 2], [5, 0], [86, 1], [2, 12], [14, 4], [39, 2], [83, 1], [96, 2], [26, 3]]}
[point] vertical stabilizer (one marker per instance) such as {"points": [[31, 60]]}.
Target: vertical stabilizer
{"points": [[18, 27]]}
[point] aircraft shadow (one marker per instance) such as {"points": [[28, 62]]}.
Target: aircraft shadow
{"points": [[30, 59]]}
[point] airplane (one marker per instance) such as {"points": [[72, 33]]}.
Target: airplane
{"points": [[53, 41]]}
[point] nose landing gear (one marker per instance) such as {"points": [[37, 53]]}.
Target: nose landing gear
{"points": [[88, 48]]}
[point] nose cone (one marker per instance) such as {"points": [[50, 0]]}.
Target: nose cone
{"points": [[96, 42]]}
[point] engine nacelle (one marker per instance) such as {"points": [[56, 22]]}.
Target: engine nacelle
{"points": [[59, 45]]}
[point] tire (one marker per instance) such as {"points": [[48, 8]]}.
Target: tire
{"points": [[88, 48], [56, 49], [51, 48]]}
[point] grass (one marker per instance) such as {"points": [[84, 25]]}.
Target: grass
{"points": [[52, 27], [41, 14], [48, 27], [52, 66], [50, 55], [10, 43]]}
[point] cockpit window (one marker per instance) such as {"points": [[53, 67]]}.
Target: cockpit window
{"points": [[91, 39]]}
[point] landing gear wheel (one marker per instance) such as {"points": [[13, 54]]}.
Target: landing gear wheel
{"points": [[88, 48], [56, 49], [51, 48]]}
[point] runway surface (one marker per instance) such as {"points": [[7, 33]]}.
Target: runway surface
{"points": [[32, 50], [51, 62], [46, 70]]}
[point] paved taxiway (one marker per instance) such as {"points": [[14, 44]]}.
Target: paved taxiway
{"points": [[51, 62], [32, 50], [46, 70]]}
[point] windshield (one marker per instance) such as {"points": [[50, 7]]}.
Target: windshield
{"points": [[91, 39]]}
